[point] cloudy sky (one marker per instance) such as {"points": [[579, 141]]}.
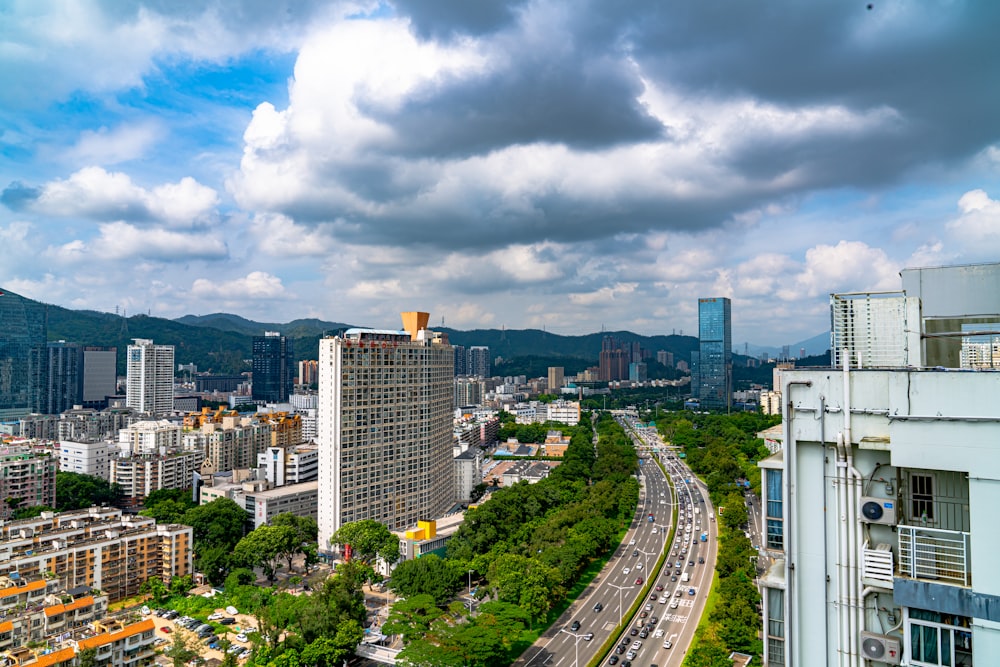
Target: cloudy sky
{"points": [[566, 164]]}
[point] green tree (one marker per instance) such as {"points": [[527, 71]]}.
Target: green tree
{"points": [[221, 522], [412, 618], [87, 658], [429, 575], [264, 548], [368, 539], [214, 562], [30, 512], [180, 652], [75, 491], [156, 589], [166, 511], [181, 585]]}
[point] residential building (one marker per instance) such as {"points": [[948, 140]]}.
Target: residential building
{"points": [[880, 507], [100, 376], [37, 610], [479, 362], [461, 360], [235, 441], [555, 444], [468, 391], [292, 464], [468, 473], [27, 479], [86, 458], [140, 475], [150, 438], [665, 358], [613, 360], [637, 372], [557, 378], [87, 424], [263, 502], [564, 412], [308, 372], [273, 368], [23, 336], [223, 384], [150, 377], [715, 354], [64, 387], [385, 426], [96, 547]]}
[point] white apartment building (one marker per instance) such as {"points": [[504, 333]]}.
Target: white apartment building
{"points": [[138, 476], [468, 473], [262, 502], [289, 465], [85, 458], [564, 412], [880, 510], [385, 427], [150, 377], [146, 438]]}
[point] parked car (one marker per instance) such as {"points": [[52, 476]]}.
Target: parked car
{"points": [[613, 660], [228, 620], [166, 628], [242, 637]]}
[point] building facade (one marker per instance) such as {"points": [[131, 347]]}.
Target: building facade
{"points": [[150, 377], [64, 388], [100, 376], [85, 458], [880, 507], [27, 479], [557, 378], [138, 476], [479, 362], [273, 368], [715, 353], [385, 427], [23, 367]]}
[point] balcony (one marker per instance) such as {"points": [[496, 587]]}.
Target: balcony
{"points": [[934, 554]]}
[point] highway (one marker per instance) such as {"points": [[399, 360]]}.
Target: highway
{"points": [[672, 613], [615, 588]]}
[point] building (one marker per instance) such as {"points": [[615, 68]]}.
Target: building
{"points": [[479, 362], [223, 384], [555, 444], [85, 458], [150, 377], [461, 360], [88, 424], [264, 502], [881, 506], [293, 464], [613, 360], [97, 547], [468, 391], [557, 378], [385, 427], [715, 354], [428, 536], [233, 441], [23, 336], [150, 437], [308, 372], [38, 610], [273, 368], [27, 479], [100, 376], [564, 412], [468, 473], [140, 475], [637, 372], [665, 358], [64, 387]]}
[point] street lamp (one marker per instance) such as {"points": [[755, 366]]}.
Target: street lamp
{"points": [[664, 529], [470, 582], [621, 609], [646, 555], [576, 645]]}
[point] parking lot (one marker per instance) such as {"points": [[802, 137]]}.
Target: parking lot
{"points": [[238, 633]]}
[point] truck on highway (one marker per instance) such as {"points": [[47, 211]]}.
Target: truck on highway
{"points": [[651, 517], [704, 537]]}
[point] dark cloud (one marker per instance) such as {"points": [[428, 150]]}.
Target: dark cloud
{"points": [[18, 197], [442, 19]]}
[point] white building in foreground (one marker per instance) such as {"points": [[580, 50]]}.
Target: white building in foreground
{"points": [[881, 509]]}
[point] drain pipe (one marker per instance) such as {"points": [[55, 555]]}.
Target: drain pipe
{"points": [[826, 513], [790, 494], [856, 619], [842, 539]]}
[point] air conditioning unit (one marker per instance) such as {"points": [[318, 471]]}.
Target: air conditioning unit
{"points": [[880, 648], [878, 510]]}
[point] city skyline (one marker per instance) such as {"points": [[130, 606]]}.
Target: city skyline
{"points": [[528, 165]]}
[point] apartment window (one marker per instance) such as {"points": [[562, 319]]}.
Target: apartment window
{"points": [[922, 498], [775, 627], [938, 640], [775, 519]]}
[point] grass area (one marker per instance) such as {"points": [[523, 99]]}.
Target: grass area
{"points": [[703, 622]]}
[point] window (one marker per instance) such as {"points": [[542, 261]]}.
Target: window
{"points": [[922, 498], [775, 520], [775, 627], [938, 640]]}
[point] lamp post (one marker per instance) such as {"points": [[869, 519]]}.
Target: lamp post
{"points": [[470, 582], [645, 557], [576, 645], [665, 529], [621, 609]]}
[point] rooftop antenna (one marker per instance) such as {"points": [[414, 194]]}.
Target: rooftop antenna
{"points": [[124, 329]]}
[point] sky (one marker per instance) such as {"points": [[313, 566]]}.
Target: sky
{"points": [[570, 165]]}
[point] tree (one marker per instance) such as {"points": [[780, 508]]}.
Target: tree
{"points": [[181, 585], [179, 652], [166, 511], [75, 491], [429, 575], [412, 618], [156, 589], [87, 658], [30, 512], [368, 539], [264, 548], [214, 562], [219, 523]]}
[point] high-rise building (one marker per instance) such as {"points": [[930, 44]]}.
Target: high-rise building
{"points": [[27, 479], [461, 360], [385, 427], [614, 359], [64, 388], [665, 358], [100, 376], [880, 510], [308, 372], [273, 369], [23, 364], [557, 377], [715, 353], [479, 362], [150, 377]]}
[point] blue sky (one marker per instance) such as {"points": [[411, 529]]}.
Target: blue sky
{"points": [[567, 165]]}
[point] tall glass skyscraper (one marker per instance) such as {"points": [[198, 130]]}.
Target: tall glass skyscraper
{"points": [[273, 369], [714, 385], [23, 359]]}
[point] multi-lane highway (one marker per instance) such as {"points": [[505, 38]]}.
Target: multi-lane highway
{"points": [[662, 629]]}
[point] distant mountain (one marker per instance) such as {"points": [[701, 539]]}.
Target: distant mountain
{"points": [[235, 323]]}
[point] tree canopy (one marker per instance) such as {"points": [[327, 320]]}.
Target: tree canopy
{"points": [[369, 539], [75, 491]]}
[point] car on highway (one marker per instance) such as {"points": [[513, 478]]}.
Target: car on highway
{"points": [[574, 627], [613, 660], [659, 587], [658, 633], [691, 591], [633, 632], [667, 644], [701, 561], [663, 599], [630, 655], [643, 614], [626, 570], [677, 593], [690, 563], [587, 637], [638, 566], [598, 607], [644, 633], [632, 542], [636, 645], [638, 581], [674, 604]]}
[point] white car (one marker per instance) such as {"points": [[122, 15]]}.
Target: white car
{"points": [[658, 633], [214, 617], [241, 637], [655, 531], [667, 644], [673, 604], [663, 599], [626, 571], [631, 542], [638, 566]]}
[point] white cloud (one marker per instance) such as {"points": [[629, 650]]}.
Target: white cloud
{"points": [[850, 266], [977, 228], [106, 146], [122, 241], [255, 285], [604, 295]]}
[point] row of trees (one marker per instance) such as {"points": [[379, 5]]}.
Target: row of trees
{"points": [[526, 547]]}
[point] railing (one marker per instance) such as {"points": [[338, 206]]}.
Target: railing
{"points": [[934, 554]]}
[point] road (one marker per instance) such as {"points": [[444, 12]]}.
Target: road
{"points": [[615, 588]]}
